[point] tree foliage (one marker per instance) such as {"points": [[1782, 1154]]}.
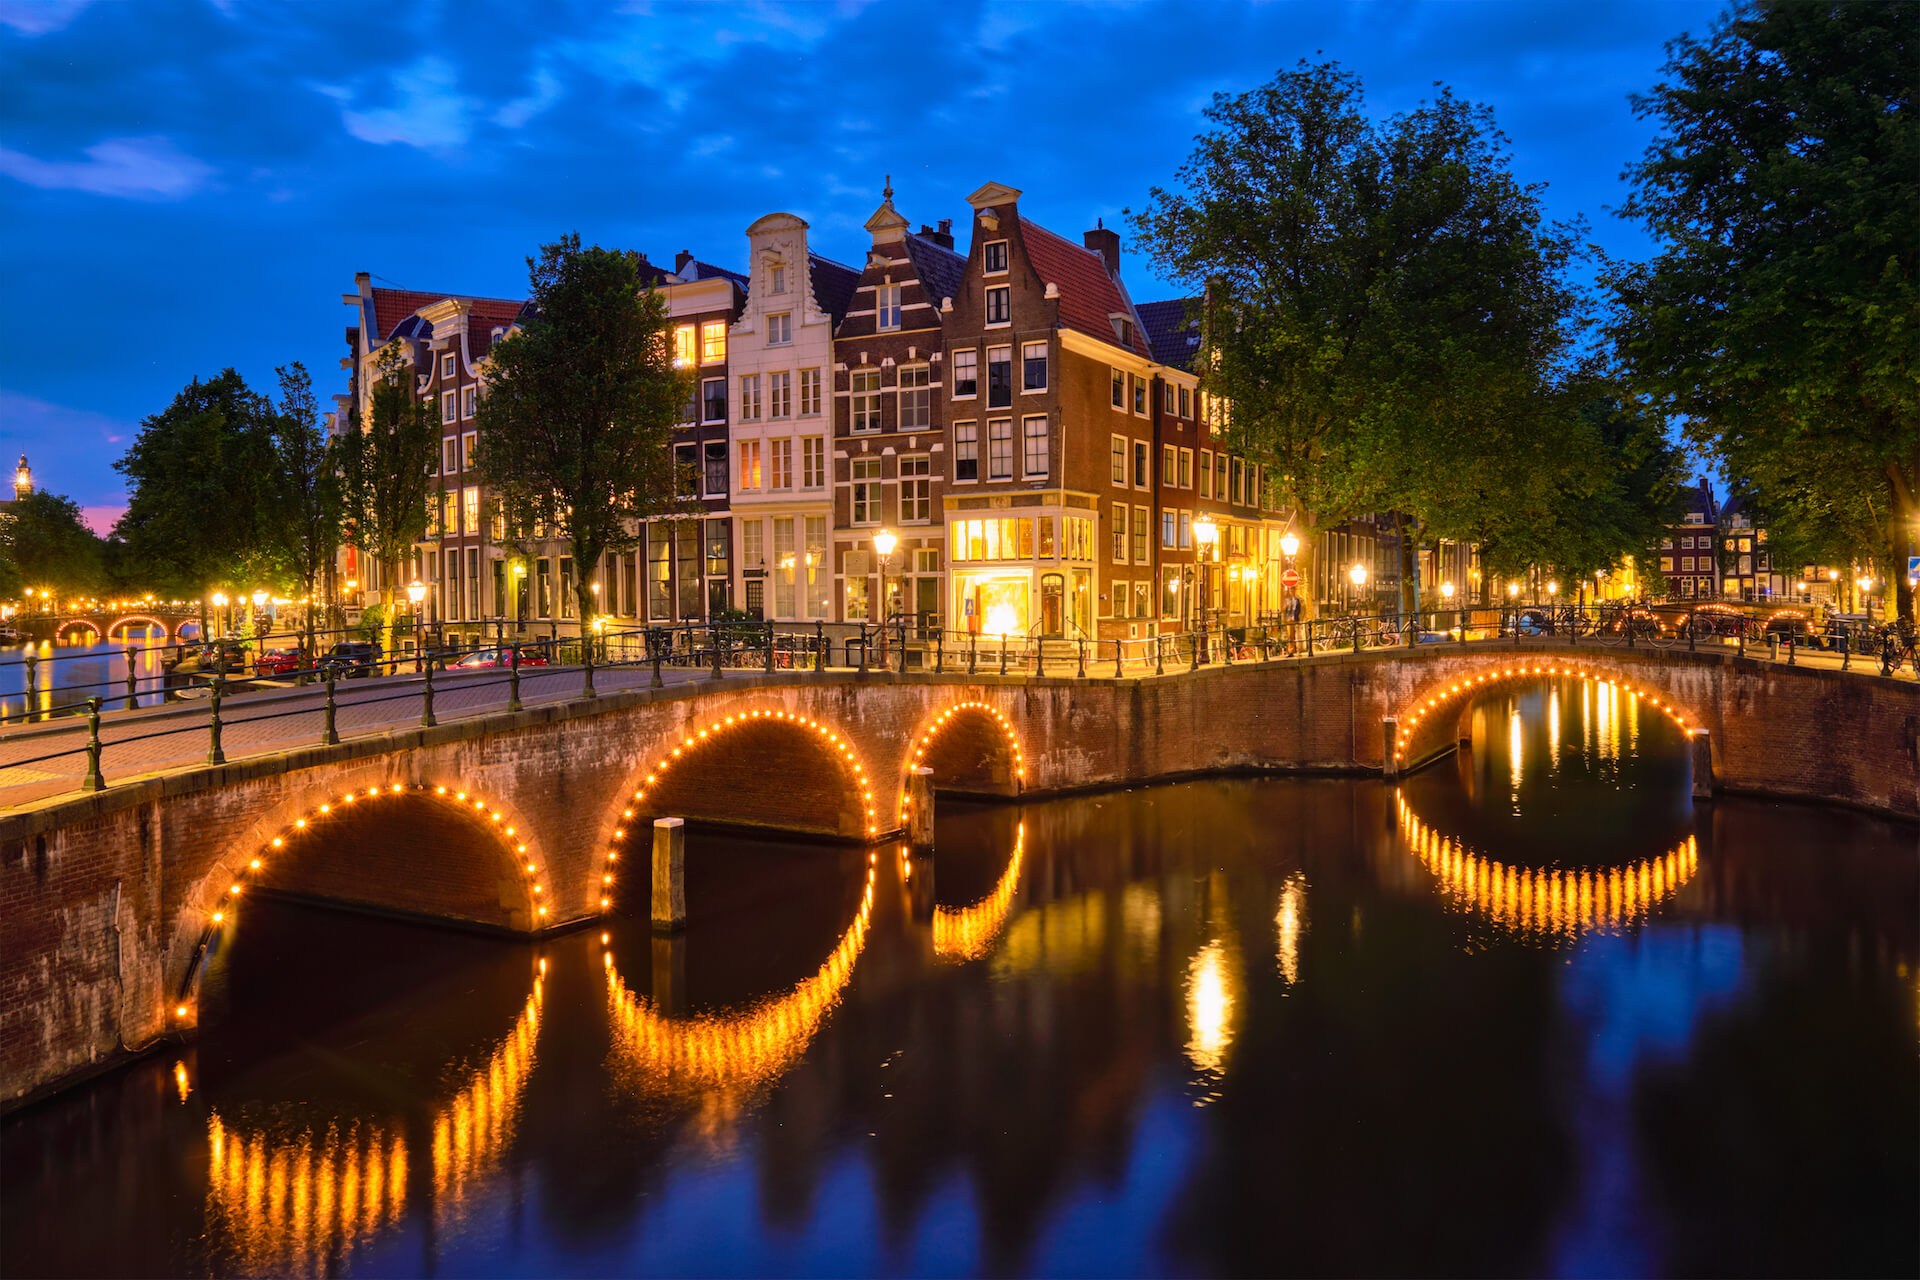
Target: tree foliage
{"points": [[306, 512], [1384, 302], [45, 544], [1779, 318], [386, 463], [577, 420]]}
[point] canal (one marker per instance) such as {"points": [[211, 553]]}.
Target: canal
{"points": [[1530, 1013]]}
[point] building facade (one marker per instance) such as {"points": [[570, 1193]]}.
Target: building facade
{"points": [[1689, 554]]}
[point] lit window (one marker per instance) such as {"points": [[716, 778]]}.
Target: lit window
{"points": [[749, 465], [995, 257], [469, 446], [1170, 466], [1142, 529], [683, 346], [887, 306], [1000, 305], [915, 409], [1118, 458], [866, 399], [1119, 533], [713, 342], [1186, 468], [965, 375], [780, 329]]}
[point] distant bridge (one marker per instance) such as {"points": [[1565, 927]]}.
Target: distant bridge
{"points": [[530, 820], [111, 624]]}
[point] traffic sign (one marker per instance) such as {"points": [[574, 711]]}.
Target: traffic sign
{"points": [[1913, 566], [1290, 578]]}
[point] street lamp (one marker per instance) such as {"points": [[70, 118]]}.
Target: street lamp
{"points": [[1289, 544], [883, 543], [416, 592], [1206, 536], [220, 604]]}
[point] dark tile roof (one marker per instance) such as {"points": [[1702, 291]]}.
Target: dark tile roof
{"points": [[833, 285], [1173, 330], [391, 306], [707, 271], [1089, 294], [940, 269]]}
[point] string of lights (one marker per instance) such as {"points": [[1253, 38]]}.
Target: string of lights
{"points": [[1433, 700], [940, 722]]}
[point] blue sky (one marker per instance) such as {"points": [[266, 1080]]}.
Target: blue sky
{"points": [[191, 184]]}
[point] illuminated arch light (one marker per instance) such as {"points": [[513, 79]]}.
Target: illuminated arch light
{"points": [[1562, 905], [152, 622], [466, 801], [940, 722], [699, 737], [1424, 707], [722, 1058], [967, 933]]}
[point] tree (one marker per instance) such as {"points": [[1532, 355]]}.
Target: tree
{"points": [[307, 505], [1780, 317], [576, 424], [386, 462], [46, 544], [201, 479], [1375, 294]]}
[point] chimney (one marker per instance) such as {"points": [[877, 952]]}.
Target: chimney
{"points": [[362, 283], [680, 261], [943, 237], [1106, 243]]}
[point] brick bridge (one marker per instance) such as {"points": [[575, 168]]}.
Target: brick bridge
{"points": [[111, 624], [538, 819]]}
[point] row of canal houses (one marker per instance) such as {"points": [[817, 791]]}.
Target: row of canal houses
{"points": [[1039, 444]]}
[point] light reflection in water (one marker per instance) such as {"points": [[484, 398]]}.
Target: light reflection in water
{"points": [[968, 933], [1291, 922], [1559, 905], [296, 1201], [1516, 751], [1210, 1007], [1553, 725], [722, 1059]]}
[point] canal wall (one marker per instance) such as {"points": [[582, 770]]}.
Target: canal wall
{"points": [[533, 820]]}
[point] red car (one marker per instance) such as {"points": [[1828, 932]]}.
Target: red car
{"points": [[279, 662], [502, 658]]}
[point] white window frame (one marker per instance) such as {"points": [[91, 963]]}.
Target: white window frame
{"points": [[779, 463], [780, 394], [1027, 437], [1046, 373], [1117, 549], [969, 358], [863, 401], [749, 449], [809, 393], [921, 386], [861, 494], [1117, 385], [966, 448], [469, 400], [704, 384], [1118, 449], [780, 329], [886, 306], [710, 332], [469, 445], [916, 488], [986, 258], [1006, 293], [748, 409], [449, 407], [446, 365], [1006, 437]]}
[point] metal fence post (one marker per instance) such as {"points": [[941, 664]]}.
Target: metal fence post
{"points": [[331, 735], [1116, 659], [1357, 629], [940, 650], [1159, 654], [1040, 658], [902, 624], [1193, 644], [973, 652], [820, 647], [713, 634], [214, 754], [1083, 657], [33, 684], [426, 701], [93, 782], [1693, 629], [1311, 623], [863, 648], [586, 655], [1003, 653], [513, 678], [133, 687], [769, 648]]}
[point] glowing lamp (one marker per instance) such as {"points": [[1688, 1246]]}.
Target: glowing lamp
{"points": [[1289, 544], [1205, 531], [219, 599], [1446, 590], [884, 542], [416, 591], [259, 598], [1359, 575], [1513, 589], [1553, 588]]}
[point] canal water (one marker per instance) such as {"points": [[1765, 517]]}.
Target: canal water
{"points": [[1531, 1013], [64, 676]]}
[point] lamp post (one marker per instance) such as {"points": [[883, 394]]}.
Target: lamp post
{"points": [[1358, 576], [883, 544], [416, 592], [1289, 545], [1206, 537]]}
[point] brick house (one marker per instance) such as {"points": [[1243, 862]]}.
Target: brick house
{"points": [[891, 459], [1689, 554]]}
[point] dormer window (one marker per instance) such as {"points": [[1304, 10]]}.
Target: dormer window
{"points": [[995, 257], [1123, 330]]}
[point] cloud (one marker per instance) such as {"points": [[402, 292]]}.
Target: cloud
{"points": [[38, 17], [428, 113], [129, 168]]}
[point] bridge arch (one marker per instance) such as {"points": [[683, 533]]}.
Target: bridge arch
{"points": [[1430, 720], [130, 619], [74, 624], [443, 824], [972, 749]]}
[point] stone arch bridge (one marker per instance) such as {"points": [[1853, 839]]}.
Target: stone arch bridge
{"points": [[113, 624], [535, 820]]}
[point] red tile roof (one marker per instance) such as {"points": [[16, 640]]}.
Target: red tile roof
{"points": [[391, 306], [1088, 294]]}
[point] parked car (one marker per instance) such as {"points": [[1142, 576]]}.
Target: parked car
{"points": [[1534, 622], [351, 658], [502, 658], [223, 656], [279, 662]]}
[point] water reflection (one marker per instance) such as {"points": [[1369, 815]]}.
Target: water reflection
{"points": [[66, 675], [966, 933], [1290, 921]]}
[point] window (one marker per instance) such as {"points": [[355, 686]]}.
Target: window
{"points": [[1000, 449], [819, 579], [1033, 363], [780, 395], [450, 406], [915, 408], [966, 451], [715, 457], [1186, 530], [1045, 525], [686, 471], [1000, 305], [659, 573], [1169, 591], [713, 342], [866, 399], [1035, 453], [713, 400], [1123, 329], [1686, 564], [749, 465], [783, 567], [1186, 468], [1140, 395], [1142, 464], [916, 498], [683, 346], [1166, 397], [469, 447], [1142, 523], [449, 456], [446, 365], [1117, 457], [1143, 598], [778, 279], [809, 393], [469, 401], [1666, 564], [780, 329], [886, 306], [1122, 596], [813, 462], [753, 548], [1185, 409], [866, 491], [1169, 466], [470, 509], [1169, 528], [1119, 389], [999, 377], [965, 375], [1119, 533], [994, 258], [1220, 476], [1237, 477], [450, 512], [780, 464], [749, 397]]}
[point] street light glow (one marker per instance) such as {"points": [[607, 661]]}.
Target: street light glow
{"points": [[1359, 574], [416, 591], [884, 542], [1289, 544]]}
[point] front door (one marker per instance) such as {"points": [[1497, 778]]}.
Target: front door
{"points": [[926, 603], [1053, 606]]}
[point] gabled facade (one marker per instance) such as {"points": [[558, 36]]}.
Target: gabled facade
{"points": [[781, 359], [890, 448], [1689, 555]]}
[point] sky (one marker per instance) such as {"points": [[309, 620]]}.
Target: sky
{"points": [[188, 185]]}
